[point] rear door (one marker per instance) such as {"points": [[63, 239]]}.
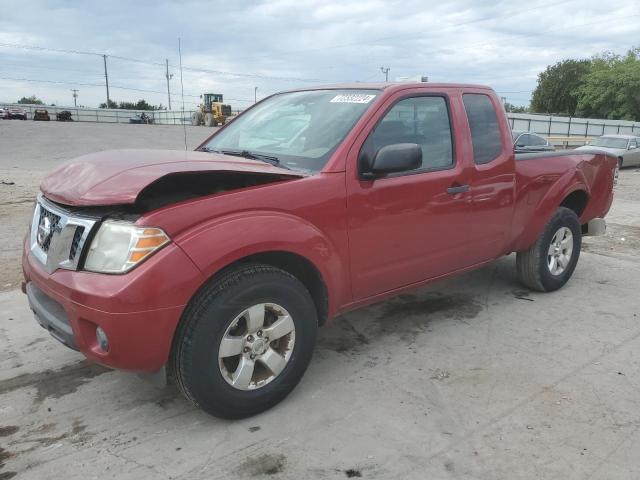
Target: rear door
{"points": [[410, 226], [493, 176]]}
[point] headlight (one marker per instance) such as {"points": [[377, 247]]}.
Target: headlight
{"points": [[119, 246]]}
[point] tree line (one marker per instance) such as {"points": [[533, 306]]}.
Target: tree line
{"points": [[605, 86], [139, 105]]}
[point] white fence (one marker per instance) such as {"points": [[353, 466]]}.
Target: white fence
{"points": [[104, 115], [579, 129]]}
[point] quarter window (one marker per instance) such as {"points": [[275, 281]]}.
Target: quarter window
{"points": [[421, 120], [483, 123]]}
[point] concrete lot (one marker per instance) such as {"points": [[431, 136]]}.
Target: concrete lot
{"points": [[474, 377]]}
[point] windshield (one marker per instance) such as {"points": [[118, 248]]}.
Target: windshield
{"points": [[299, 129], [609, 142]]}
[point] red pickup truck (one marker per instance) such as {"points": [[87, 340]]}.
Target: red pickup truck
{"points": [[218, 265]]}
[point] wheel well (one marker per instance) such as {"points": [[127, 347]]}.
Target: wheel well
{"points": [[302, 269], [576, 201]]}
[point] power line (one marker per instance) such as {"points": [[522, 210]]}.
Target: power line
{"points": [[146, 62], [48, 49]]}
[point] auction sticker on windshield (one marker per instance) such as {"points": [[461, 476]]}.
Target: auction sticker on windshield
{"points": [[352, 98]]}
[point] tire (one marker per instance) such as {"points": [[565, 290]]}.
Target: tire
{"points": [[205, 372], [534, 266], [619, 162], [209, 120], [196, 119]]}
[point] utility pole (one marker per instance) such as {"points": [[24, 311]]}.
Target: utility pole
{"points": [[255, 94], [74, 95], [106, 79], [386, 73], [169, 77]]}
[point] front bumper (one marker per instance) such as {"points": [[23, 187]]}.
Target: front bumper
{"points": [[139, 311]]}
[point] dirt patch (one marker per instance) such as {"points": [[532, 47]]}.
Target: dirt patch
{"points": [[4, 455], [263, 465], [450, 306], [76, 434], [54, 383], [36, 341], [353, 473], [10, 430], [348, 340], [407, 315]]}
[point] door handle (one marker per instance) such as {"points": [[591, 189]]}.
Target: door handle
{"points": [[457, 189]]}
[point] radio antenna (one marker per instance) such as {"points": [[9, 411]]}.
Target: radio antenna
{"points": [[184, 125]]}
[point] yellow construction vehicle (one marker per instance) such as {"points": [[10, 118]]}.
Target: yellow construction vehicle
{"points": [[211, 111]]}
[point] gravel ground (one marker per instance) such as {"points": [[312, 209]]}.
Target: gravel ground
{"points": [[471, 378]]}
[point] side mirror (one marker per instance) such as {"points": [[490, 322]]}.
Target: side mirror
{"points": [[398, 157]]}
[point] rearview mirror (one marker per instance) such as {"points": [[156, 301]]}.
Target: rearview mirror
{"points": [[398, 157]]}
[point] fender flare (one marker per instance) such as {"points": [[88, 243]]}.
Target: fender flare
{"points": [[571, 181]]}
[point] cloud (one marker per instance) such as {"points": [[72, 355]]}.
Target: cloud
{"points": [[503, 44]]}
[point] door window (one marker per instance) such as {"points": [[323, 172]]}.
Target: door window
{"points": [[420, 120], [483, 123]]}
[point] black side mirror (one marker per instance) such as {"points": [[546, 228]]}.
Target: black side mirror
{"points": [[399, 157]]}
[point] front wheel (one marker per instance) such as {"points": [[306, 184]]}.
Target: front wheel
{"points": [[245, 341], [550, 262]]}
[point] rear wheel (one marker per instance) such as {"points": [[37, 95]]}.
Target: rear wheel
{"points": [[209, 120], [550, 262], [196, 119], [245, 341]]}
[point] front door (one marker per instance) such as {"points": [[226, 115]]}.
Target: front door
{"points": [[410, 226]]}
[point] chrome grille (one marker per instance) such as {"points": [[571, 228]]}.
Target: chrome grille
{"points": [[77, 238], [47, 223], [58, 235]]}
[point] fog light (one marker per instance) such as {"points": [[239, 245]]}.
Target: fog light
{"points": [[102, 339]]}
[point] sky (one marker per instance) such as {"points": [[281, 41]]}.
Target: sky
{"points": [[48, 48]]}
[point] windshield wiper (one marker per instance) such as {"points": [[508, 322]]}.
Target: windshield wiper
{"points": [[250, 155]]}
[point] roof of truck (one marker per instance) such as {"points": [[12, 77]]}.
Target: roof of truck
{"points": [[389, 85]]}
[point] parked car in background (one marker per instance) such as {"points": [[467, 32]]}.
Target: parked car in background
{"points": [[219, 265], [40, 114], [64, 116], [530, 142], [625, 147], [2, 112], [16, 113], [141, 118]]}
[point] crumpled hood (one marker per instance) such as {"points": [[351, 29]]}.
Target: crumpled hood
{"points": [[116, 177]]}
